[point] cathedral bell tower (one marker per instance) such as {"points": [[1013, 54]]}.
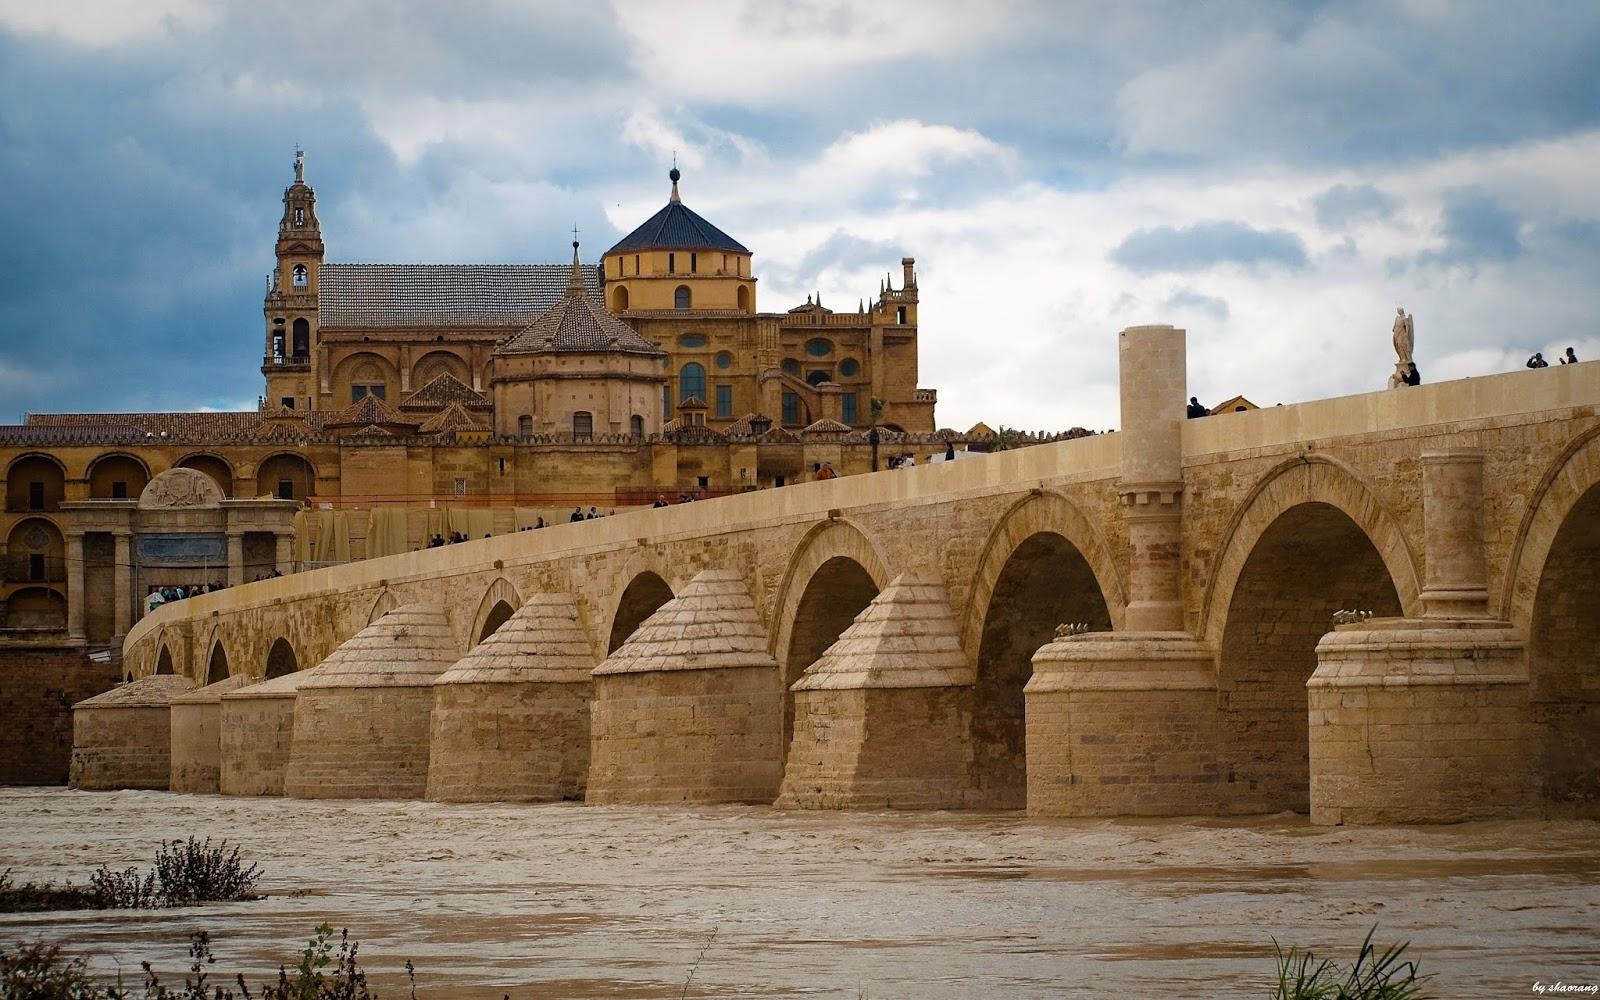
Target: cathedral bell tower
{"points": [[290, 361]]}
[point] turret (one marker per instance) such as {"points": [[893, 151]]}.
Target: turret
{"points": [[291, 306]]}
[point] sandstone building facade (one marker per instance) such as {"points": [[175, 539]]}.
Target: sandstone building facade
{"points": [[408, 400]]}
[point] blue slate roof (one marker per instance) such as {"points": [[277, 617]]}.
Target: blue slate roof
{"points": [[677, 227]]}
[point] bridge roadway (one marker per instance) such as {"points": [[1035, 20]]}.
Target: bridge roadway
{"points": [[891, 639]]}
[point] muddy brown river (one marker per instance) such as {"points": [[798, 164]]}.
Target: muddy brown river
{"points": [[583, 901]]}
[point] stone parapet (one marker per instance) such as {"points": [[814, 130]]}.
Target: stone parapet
{"points": [[883, 718], [123, 738], [197, 737], [1421, 721], [1122, 724]]}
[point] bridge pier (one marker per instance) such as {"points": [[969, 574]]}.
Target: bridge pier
{"points": [[510, 720], [1125, 723], [690, 708], [883, 718], [1427, 720], [361, 718], [197, 737]]}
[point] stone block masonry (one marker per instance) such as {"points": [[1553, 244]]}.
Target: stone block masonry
{"points": [[38, 687]]}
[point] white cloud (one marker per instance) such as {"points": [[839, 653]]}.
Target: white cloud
{"points": [[754, 52], [106, 23]]}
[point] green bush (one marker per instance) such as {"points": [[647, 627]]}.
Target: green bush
{"points": [[1372, 977], [186, 873], [325, 972]]}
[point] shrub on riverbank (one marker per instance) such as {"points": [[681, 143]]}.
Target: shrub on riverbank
{"points": [[1372, 977], [186, 873], [40, 972]]}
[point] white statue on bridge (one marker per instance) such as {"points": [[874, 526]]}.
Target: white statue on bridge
{"points": [[1404, 341]]}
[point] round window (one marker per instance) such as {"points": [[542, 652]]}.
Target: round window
{"points": [[849, 367], [819, 348], [791, 366], [724, 361], [692, 340]]}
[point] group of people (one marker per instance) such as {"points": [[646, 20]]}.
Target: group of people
{"points": [[455, 536], [166, 595], [909, 461], [579, 515], [1538, 361]]}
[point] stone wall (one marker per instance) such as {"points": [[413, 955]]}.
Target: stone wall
{"points": [[39, 684]]}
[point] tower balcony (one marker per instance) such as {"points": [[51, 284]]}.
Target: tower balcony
{"points": [[285, 363]]}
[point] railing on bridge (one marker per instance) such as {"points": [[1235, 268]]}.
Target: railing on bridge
{"points": [[628, 496]]}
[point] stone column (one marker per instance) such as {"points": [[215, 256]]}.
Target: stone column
{"points": [[1124, 723], [122, 577], [1153, 379], [1455, 576], [283, 557], [1427, 720], [75, 589], [235, 558]]}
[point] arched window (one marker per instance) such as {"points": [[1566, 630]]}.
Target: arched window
{"points": [[619, 296], [301, 276], [525, 427], [744, 298], [302, 339], [299, 217], [583, 425], [636, 426], [818, 377], [692, 382], [680, 297]]}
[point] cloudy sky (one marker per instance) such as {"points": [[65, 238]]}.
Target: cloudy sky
{"points": [[1274, 178]]}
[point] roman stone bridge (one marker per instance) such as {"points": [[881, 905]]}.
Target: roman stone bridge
{"points": [[892, 639]]}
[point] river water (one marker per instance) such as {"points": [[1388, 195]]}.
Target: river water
{"points": [[609, 901]]}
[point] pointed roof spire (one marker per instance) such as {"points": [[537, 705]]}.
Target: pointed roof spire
{"points": [[575, 285], [673, 175]]}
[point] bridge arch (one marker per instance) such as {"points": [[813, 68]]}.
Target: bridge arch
{"points": [[1571, 475], [281, 660], [1553, 593], [833, 574], [1308, 479], [217, 661], [646, 591], [384, 603], [1311, 539], [500, 602], [164, 659], [1043, 564]]}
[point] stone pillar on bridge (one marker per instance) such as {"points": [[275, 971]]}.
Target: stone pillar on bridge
{"points": [[1124, 723], [1427, 720]]}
